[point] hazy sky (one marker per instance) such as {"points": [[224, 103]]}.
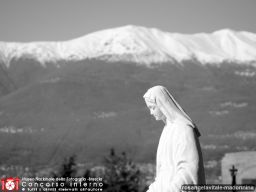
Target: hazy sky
{"points": [[47, 20]]}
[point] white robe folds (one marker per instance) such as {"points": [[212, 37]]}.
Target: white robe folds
{"points": [[179, 158]]}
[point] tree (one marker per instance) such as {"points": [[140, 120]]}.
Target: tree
{"points": [[68, 167], [121, 175]]}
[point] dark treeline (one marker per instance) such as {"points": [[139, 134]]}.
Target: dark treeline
{"points": [[120, 173]]}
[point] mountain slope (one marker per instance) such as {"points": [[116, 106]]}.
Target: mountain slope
{"points": [[54, 103], [87, 107]]}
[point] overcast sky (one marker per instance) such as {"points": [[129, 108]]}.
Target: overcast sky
{"points": [[48, 20]]}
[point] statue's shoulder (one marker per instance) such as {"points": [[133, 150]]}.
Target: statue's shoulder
{"points": [[183, 128]]}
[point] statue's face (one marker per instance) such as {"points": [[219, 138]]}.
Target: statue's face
{"points": [[155, 111]]}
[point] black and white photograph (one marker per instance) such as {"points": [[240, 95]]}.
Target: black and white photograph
{"points": [[127, 96]]}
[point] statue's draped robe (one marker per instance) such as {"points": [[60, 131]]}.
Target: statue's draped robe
{"points": [[179, 158]]}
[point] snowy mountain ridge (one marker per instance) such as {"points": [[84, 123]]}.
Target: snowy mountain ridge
{"points": [[141, 45]]}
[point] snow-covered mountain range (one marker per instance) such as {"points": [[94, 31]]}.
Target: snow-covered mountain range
{"points": [[141, 45]]}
